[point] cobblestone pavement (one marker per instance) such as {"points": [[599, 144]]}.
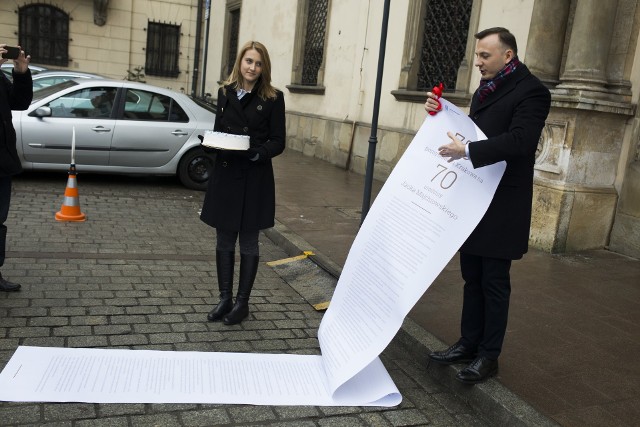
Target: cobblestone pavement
{"points": [[139, 274]]}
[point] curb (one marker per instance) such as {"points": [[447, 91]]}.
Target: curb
{"points": [[498, 404], [294, 245], [492, 399]]}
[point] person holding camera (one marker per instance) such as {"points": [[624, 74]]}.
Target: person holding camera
{"points": [[240, 199], [14, 95]]}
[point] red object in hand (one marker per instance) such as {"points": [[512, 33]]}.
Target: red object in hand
{"points": [[437, 91]]}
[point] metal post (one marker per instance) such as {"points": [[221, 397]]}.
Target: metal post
{"points": [[373, 139], [207, 18], [196, 55]]}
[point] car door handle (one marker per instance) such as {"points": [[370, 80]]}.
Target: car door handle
{"points": [[34, 145], [179, 132], [100, 129]]}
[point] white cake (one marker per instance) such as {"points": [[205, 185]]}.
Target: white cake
{"points": [[225, 141]]}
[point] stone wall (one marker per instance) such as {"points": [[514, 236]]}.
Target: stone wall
{"points": [[574, 202], [625, 236], [346, 143]]}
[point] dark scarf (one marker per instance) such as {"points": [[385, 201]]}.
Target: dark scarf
{"points": [[490, 86]]}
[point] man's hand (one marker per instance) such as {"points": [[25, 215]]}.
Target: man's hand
{"points": [[432, 105], [454, 150], [21, 64]]}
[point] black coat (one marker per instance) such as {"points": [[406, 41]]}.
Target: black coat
{"points": [[13, 96], [512, 118], [241, 192]]}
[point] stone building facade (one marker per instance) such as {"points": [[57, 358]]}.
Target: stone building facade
{"points": [[325, 58], [108, 37], [587, 182]]}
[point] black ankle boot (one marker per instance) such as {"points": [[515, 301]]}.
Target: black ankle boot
{"points": [[224, 266], [7, 286], [248, 270]]}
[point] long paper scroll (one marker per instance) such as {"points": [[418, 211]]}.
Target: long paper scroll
{"points": [[424, 212]]}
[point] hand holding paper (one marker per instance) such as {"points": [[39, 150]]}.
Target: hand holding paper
{"points": [[455, 150]]}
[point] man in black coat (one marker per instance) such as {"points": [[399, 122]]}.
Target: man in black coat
{"points": [[13, 96], [510, 107]]}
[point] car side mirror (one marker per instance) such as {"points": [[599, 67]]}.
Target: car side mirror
{"points": [[41, 112]]}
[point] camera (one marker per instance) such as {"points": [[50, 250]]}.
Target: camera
{"points": [[11, 53]]}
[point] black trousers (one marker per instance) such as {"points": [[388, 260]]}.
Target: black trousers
{"points": [[485, 308], [5, 199], [248, 240]]}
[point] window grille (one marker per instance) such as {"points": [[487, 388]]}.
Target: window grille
{"points": [[234, 30], [163, 50], [43, 32], [314, 41], [446, 26]]}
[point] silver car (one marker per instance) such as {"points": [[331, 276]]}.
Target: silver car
{"points": [[7, 69], [120, 127], [48, 78]]}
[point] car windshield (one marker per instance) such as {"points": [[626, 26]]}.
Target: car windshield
{"points": [[44, 92]]}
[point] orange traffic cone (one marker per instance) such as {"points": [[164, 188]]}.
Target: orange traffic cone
{"points": [[70, 210]]}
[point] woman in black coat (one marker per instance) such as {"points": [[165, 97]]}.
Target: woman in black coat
{"points": [[240, 199]]}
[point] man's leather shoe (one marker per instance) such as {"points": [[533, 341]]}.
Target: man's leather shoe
{"points": [[457, 353], [6, 286], [480, 370]]}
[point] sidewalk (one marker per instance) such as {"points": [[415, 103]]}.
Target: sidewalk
{"points": [[572, 340]]}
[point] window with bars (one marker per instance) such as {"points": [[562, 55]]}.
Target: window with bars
{"points": [[438, 47], [314, 41], [43, 32], [444, 41], [163, 50]]}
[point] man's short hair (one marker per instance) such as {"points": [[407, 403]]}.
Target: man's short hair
{"points": [[505, 36]]}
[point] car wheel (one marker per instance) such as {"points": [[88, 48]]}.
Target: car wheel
{"points": [[195, 169]]}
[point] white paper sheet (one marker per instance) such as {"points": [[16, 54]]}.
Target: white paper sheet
{"points": [[36, 374], [422, 215]]}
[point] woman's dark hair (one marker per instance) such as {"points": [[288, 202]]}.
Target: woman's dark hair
{"points": [[506, 38]]}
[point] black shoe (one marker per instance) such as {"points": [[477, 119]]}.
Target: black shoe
{"points": [[457, 353], [239, 312], [6, 286], [478, 371], [221, 310]]}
